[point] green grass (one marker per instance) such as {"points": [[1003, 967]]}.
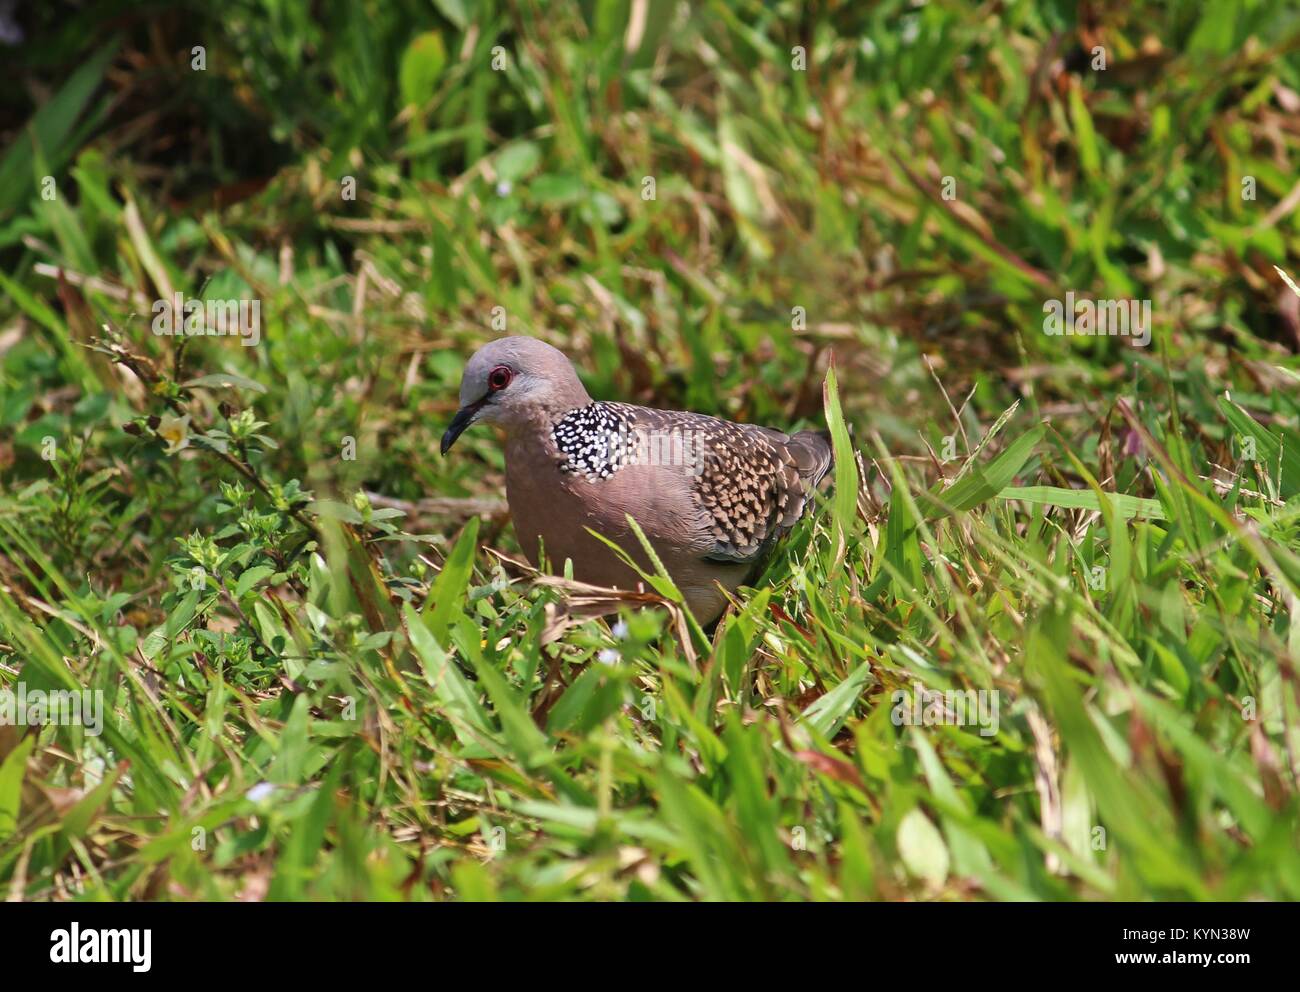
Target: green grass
{"points": [[315, 693]]}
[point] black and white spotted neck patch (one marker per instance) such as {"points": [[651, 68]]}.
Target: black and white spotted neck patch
{"points": [[593, 441]]}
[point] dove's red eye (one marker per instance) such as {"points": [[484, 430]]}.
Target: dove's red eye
{"points": [[499, 378]]}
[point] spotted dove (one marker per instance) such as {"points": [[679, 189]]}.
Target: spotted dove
{"points": [[711, 496]]}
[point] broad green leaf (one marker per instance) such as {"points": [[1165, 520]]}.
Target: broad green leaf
{"points": [[922, 849], [227, 380], [252, 577], [291, 762], [981, 484], [827, 714], [844, 504], [1277, 451], [11, 784], [453, 690], [51, 129], [1127, 507], [448, 590], [421, 67]]}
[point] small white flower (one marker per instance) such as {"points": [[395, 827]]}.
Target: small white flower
{"points": [[175, 431], [608, 656], [259, 792], [504, 187], [620, 630]]}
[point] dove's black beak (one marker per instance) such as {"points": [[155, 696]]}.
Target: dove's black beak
{"points": [[464, 417]]}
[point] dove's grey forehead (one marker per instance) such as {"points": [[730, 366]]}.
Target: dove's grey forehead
{"points": [[523, 355], [520, 353]]}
